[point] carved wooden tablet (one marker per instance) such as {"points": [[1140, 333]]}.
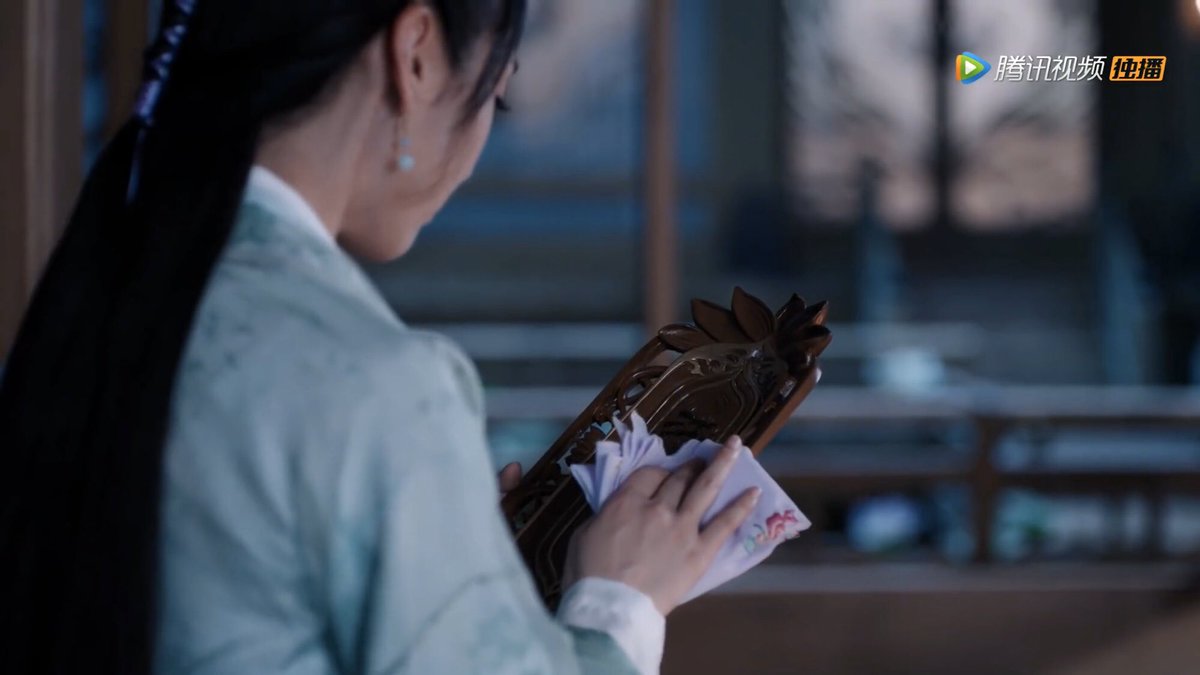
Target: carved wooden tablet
{"points": [[735, 371]]}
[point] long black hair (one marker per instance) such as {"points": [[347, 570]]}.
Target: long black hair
{"points": [[86, 392]]}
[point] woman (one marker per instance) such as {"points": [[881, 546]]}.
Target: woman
{"points": [[223, 453]]}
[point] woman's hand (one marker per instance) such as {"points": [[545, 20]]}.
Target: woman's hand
{"points": [[509, 477], [648, 533]]}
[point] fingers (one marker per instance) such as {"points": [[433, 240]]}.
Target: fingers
{"points": [[510, 476], [714, 535], [706, 487], [671, 492], [645, 481]]}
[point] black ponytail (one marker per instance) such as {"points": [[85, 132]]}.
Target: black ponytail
{"points": [[85, 395]]}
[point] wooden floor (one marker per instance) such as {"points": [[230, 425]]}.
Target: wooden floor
{"points": [[1169, 645], [918, 618]]}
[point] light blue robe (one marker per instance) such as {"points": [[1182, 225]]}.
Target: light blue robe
{"points": [[329, 505]]}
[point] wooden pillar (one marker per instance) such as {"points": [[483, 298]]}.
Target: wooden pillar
{"points": [[661, 244], [985, 485], [128, 32], [943, 144], [41, 141]]}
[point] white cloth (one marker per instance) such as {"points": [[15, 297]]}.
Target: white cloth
{"points": [[775, 518]]}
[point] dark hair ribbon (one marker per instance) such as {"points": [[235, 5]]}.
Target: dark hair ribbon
{"points": [[159, 60]]}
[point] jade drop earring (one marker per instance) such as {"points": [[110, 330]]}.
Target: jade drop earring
{"points": [[404, 161]]}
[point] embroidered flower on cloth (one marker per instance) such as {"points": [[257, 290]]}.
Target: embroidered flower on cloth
{"points": [[776, 528], [775, 519]]}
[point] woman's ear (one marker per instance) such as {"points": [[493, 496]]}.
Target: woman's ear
{"points": [[417, 57]]}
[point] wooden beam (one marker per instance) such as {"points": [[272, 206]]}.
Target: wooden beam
{"points": [[661, 244], [41, 141]]}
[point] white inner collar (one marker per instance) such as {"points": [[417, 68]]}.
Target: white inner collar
{"points": [[265, 186]]}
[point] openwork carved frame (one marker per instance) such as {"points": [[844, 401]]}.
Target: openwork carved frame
{"points": [[740, 371]]}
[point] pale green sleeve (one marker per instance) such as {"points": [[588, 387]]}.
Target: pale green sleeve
{"points": [[445, 590]]}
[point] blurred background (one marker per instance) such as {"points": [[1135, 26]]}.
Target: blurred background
{"points": [[1002, 462]]}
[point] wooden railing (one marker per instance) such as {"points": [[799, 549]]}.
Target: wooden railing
{"points": [[991, 412]]}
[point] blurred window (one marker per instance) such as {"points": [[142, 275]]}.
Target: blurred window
{"points": [[861, 89]]}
